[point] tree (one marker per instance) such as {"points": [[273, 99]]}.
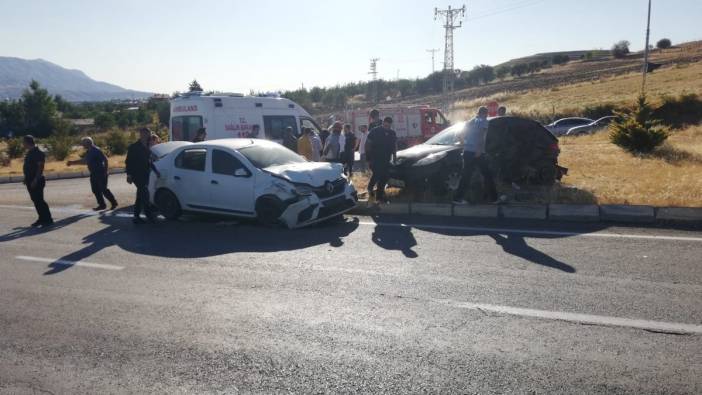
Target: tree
{"points": [[519, 69], [621, 49], [636, 130], [195, 87], [484, 73], [559, 59], [105, 121], [664, 43], [502, 72], [39, 110]]}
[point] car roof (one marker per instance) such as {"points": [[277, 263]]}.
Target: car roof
{"points": [[235, 143]]}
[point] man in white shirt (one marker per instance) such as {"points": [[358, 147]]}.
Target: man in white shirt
{"points": [[361, 146], [475, 135]]}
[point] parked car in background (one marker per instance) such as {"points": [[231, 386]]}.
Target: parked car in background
{"points": [[562, 126], [248, 178], [519, 150], [591, 128]]}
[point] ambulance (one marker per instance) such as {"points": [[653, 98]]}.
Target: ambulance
{"points": [[412, 124], [236, 116]]}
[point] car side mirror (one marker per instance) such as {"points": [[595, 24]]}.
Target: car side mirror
{"points": [[241, 173]]}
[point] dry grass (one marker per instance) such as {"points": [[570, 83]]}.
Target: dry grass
{"points": [[624, 89], [53, 166], [671, 177]]}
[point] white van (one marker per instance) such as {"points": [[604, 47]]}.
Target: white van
{"points": [[236, 116]]}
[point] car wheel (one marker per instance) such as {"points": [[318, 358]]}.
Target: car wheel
{"points": [[269, 210], [168, 204], [447, 181]]}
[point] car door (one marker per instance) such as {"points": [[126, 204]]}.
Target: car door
{"points": [[189, 178], [231, 184]]}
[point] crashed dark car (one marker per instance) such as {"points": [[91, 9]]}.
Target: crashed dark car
{"points": [[519, 150]]}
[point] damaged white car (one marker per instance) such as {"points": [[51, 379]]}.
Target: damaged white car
{"points": [[248, 178]]}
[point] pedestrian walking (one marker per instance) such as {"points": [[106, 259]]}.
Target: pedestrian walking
{"points": [[332, 146], [361, 146], [348, 155], [381, 150], [98, 167], [200, 136], [139, 166], [475, 134], [33, 170]]}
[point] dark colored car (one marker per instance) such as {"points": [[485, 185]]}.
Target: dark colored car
{"points": [[519, 150]]}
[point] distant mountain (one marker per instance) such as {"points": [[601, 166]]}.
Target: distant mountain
{"points": [[72, 85]]}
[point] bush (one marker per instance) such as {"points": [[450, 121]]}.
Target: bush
{"points": [[15, 149], [636, 131], [105, 121], [600, 110], [116, 142], [621, 49], [664, 43], [681, 111], [60, 146], [5, 159]]}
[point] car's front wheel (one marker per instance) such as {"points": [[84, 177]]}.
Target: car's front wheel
{"points": [[268, 210], [447, 180], [168, 204]]}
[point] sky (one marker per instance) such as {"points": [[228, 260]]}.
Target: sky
{"points": [[270, 45]]}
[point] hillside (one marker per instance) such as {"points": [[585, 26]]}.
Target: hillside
{"points": [[73, 85]]}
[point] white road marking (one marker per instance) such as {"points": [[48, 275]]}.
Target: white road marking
{"points": [[531, 232], [63, 262], [74, 210], [601, 320]]}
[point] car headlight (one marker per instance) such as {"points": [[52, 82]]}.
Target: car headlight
{"points": [[431, 159], [303, 190]]}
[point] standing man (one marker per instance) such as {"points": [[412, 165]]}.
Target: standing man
{"points": [[98, 168], [361, 146], [304, 144], [381, 149], [34, 180], [374, 119], [138, 164], [200, 136], [289, 139], [502, 111], [349, 150], [332, 146], [474, 137]]}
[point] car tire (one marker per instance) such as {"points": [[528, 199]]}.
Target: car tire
{"points": [[447, 181], [268, 210], [168, 204]]}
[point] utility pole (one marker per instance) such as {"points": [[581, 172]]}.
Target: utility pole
{"points": [[646, 50], [432, 51], [374, 84], [450, 15]]}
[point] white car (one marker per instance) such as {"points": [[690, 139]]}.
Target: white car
{"points": [[562, 126], [591, 128], [248, 178]]}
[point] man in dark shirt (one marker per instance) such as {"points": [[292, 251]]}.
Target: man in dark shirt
{"points": [[374, 119], [97, 164], [348, 150], [34, 180], [139, 167], [381, 148], [200, 136], [289, 139]]}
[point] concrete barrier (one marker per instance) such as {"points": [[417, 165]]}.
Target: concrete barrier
{"points": [[574, 212], [621, 213], [684, 214], [364, 207], [479, 211], [527, 211], [69, 175], [443, 210]]}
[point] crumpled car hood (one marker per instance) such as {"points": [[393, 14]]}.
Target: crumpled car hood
{"points": [[311, 173]]}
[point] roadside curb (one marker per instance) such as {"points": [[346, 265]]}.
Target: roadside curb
{"points": [[542, 212], [57, 176]]}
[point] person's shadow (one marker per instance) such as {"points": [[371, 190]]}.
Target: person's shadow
{"points": [[395, 238], [517, 246], [18, 233]]}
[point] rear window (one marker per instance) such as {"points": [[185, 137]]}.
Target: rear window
{"points": [[264, 156], [192, 159]]}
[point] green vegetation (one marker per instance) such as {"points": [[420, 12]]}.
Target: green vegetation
{"points": [[621, 49], [637, 131], [116, 142], [15, 149], [664, 43]]}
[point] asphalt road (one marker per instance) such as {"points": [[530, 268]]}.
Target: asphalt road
{"points": [[393, 305]]}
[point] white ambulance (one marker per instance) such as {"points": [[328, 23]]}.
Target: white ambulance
{"points": [[236, 116]]}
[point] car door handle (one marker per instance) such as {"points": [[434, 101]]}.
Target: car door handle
{"points": [[214, 182], [176, 178]]}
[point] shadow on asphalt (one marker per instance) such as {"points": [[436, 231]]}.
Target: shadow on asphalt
{"points": [[199, 239], [28, 231]]}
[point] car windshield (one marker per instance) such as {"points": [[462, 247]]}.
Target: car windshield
{"points": [[450, 136], [264, 156]]}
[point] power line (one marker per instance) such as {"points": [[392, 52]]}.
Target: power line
{"points": [[515, 6]]}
